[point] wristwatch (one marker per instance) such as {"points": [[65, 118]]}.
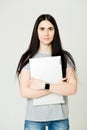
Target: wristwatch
{"points": [[47, 86]]}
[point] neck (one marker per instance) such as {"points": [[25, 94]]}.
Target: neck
{"points": [[46, 49]]}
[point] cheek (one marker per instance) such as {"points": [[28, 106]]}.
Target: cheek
{"points": [[40, 36], [52, 35]]}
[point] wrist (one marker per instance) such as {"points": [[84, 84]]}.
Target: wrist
{"points": [[52, 87], [47, 86]]}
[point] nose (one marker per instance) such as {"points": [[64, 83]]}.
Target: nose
{"points": [[46, 32]]}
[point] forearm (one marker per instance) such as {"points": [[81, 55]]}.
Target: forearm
{"points": [[64, 89], [31, 93], [61, 87]]}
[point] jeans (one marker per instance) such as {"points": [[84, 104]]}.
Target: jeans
{"points": [[52, 125]]}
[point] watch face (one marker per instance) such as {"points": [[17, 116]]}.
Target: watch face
{"points": [[47, 86]]}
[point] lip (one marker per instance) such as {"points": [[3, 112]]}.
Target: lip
{"points": [[46, 38]]}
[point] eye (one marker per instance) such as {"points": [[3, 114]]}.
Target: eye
{"points": [[42, 28], [51, 28]]}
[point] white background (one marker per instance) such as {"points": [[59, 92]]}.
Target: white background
{"points": [[17, 18]]}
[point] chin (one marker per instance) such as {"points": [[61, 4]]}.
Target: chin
{"points": [[46, 42]]}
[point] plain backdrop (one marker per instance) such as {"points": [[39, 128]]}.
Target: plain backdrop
{"points": [[17, 18]]}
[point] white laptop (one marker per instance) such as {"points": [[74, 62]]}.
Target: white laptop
{"points": [[49, 70]]}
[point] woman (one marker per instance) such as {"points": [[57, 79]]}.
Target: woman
{"points": [[45, 42]]}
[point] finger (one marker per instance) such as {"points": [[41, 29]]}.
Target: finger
{"points": [[64, 79]]}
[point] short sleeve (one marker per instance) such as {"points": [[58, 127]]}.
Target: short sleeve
{"points": [[69, 63], [27, 66]]}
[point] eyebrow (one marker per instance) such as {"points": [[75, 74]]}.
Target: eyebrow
{"points": [[48, 27]]}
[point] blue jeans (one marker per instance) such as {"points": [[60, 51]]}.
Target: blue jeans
{"points": [[52, 125]]}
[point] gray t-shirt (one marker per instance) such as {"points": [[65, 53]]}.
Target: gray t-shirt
{"points": [[46, 112]]}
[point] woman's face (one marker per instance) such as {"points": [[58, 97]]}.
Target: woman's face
{"points": [[45, 32]]}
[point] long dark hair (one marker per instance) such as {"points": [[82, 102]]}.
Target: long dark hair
{"points": [[57, 49]]}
